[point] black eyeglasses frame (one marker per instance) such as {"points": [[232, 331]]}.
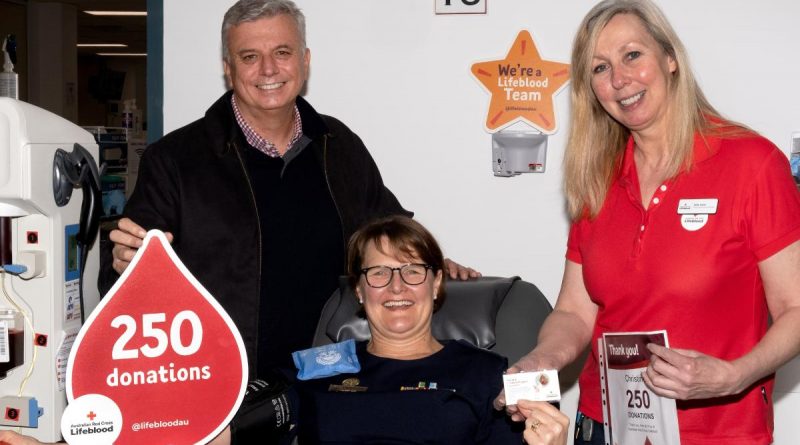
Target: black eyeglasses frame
{"points": [[399, 269]]}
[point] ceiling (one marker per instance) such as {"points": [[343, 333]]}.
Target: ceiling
{"points": [[131, 31]]}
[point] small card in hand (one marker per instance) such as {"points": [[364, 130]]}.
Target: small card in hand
{"points": [[537, 386]]}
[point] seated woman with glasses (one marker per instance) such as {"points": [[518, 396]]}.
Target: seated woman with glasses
{"points": [[411, 387]]}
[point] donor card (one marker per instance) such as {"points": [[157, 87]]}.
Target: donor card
{"points": [[537, 386]]}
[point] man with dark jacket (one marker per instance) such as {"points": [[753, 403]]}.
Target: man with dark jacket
{"points": [[262, 193]]}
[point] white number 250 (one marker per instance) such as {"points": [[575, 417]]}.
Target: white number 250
{"points": [[149, 330]]}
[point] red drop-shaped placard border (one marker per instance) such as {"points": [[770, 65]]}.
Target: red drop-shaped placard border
{"points": [[177, 411]]}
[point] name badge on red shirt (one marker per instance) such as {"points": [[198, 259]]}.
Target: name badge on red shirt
{"points": [[694, 212], [697, 206]]}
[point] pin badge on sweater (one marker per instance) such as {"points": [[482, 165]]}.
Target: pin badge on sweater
{"points": [[158, 361]]}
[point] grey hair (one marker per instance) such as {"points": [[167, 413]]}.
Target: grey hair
{"points": [[252, 10]]}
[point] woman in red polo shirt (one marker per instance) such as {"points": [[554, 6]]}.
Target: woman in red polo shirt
{"points": [[644, 144]]}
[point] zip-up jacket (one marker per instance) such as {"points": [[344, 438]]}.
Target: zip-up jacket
{"points": [[193, 183]]}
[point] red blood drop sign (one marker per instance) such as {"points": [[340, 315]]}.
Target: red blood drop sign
{"points": [[163, 350]]}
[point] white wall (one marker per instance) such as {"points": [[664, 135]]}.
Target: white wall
{"points": [[399, 76]]}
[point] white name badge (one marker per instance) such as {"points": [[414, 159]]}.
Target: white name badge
{"points": [[632, 413], [697, 206]]}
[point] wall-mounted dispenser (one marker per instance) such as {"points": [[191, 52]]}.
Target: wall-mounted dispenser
{"points": [[515, 152]]}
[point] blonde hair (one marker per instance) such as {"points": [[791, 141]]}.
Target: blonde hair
{"points": [[596, 141]]}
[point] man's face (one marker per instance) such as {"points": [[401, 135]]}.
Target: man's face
{"points": [[267, 66]]}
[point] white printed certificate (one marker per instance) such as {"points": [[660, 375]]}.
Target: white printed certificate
{"points": [[633, 414]]}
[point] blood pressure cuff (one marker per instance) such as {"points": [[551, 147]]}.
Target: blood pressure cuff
{"points": [[265, 415]]}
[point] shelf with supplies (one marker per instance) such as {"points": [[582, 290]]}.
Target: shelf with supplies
{"points": [[120, 150]]}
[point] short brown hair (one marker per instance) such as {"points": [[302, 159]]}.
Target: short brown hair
{"points": [[407, 237]]}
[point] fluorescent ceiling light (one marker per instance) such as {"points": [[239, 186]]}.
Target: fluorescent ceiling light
{"points": [[123, 54], [102, 45], [117, 13]]}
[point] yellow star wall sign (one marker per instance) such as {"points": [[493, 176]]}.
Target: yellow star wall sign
{"points": [[522, 86]]}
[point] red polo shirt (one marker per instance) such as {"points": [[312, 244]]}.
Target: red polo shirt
{"points": [[696, 277]]}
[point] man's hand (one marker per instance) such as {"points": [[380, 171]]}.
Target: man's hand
{"points": [[127, 238], [685, 374], [223, 438], [458, 272], [11, 438]]}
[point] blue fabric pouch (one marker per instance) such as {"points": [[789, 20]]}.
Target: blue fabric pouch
{"points": [[326, 360]]}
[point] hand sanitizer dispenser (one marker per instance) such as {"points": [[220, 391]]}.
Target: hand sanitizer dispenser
{"points": [[515, 152]]}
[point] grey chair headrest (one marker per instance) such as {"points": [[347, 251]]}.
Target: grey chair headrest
{"points": [[469, 312]]}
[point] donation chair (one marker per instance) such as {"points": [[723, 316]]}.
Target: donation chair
{"points": [[500, 314]]}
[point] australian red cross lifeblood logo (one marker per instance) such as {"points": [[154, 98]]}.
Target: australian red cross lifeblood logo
{"points": [[162, 349]]}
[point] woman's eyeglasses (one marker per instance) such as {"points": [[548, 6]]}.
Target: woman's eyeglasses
{"points": [[411, 274]]}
